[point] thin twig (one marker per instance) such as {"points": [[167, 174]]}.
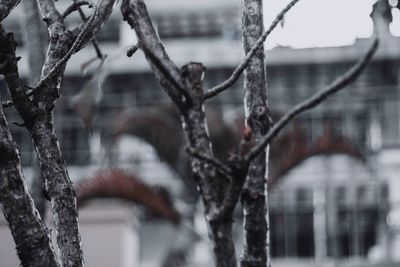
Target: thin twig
{"points": [[242, 66], [95, 44], [74, 7], [340, 82], [212, 160], [75, 46], [138, 18], [132, 50]]}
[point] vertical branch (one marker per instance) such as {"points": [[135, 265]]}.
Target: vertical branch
{"points": [[30, 234], [38, 116], [185, 87], [39, 124], [258, 119], [212, 187], [36, 41]]}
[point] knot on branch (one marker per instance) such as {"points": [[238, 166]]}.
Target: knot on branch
{"points": [[192, 75], [251, 196], [247, 142], [259, 118]]}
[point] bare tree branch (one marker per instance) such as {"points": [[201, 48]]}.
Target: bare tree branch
{"points": [[38, 119], [95, 44], [185, 88], [53, 18], [6, 6], [29, 232], [257, 115], [104, 9], [75, 6], [167, 72], [132, 50], [223, 168], [341, 82], [61, 40], [10, 71], [242, 66], [74, 48]]}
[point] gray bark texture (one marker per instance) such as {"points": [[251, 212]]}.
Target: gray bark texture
{"points": [[30, 234], [258, 119], [36, 41], [37, 114], [185, 87], [220, 184], [6, 6]]}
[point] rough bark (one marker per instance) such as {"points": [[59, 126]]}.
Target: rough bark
{"points": [[220, 184], [38, 120], [59, 189], [36, 41], [6, 6], [37, 114], [258, 119], [211, 185], [31, 236], [185, 87]]}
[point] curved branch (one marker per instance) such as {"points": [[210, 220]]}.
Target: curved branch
{"points": [[53, 18], [75, 6], [100, 15], [242, 66], [340, 82], [136, 15], [6, 6], [74, 48], [95, 44]]}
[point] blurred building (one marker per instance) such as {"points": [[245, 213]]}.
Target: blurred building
{"points": [[338, 207]]}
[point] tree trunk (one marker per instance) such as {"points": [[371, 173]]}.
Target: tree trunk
{"points": [[212, 187], [30, 234], [258, 119], [59, 190]]}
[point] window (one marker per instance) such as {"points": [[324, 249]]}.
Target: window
{"points": [[390, 122], [353, 215]]}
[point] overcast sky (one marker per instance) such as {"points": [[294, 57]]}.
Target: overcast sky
{"points": [[322, 22]]}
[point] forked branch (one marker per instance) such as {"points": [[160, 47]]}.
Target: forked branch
{"points": [[242, 66], [76, 6], [340, 82], [74, 48], [30, 234], [135, 13], [220, 166]]}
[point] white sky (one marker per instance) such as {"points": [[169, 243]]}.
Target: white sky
{"points": [[322, 22]]}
